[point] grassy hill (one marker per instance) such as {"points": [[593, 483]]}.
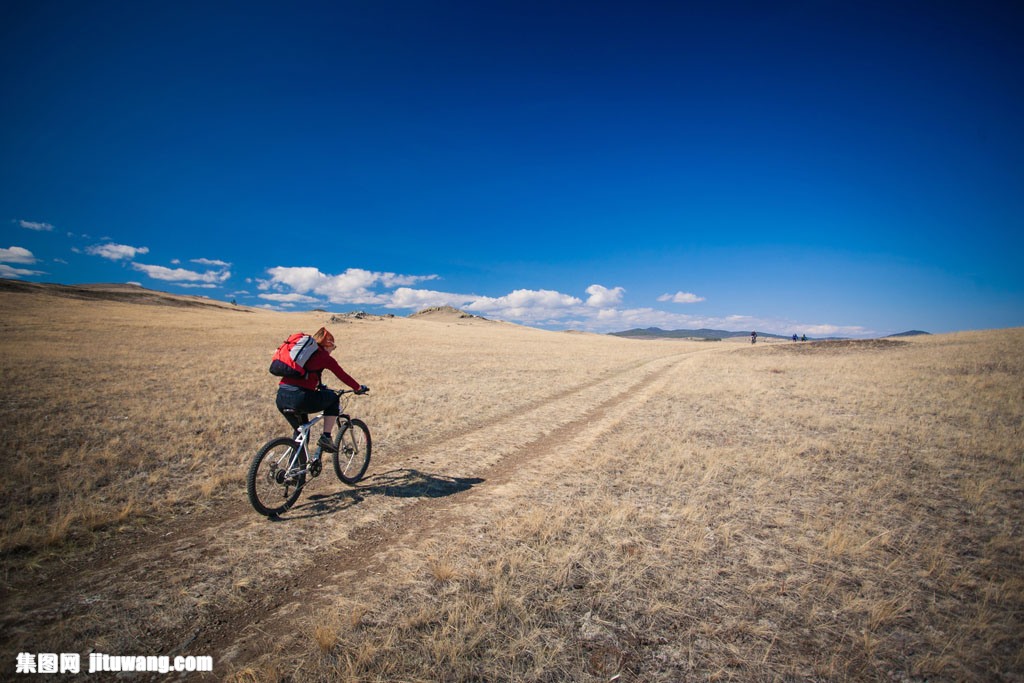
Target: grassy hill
{"points": [[909, 333], [540, 506], [121, 292]]}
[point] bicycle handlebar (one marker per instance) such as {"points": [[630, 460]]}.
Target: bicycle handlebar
{"points": [[358, 392]]}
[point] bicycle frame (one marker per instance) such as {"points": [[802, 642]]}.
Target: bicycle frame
{"points": [[302, 439]]}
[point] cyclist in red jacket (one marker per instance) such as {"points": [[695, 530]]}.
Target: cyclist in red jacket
{"points": [[306, 394]]}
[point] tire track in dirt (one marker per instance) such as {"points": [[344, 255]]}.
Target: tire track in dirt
{"points": [[243, 640]]}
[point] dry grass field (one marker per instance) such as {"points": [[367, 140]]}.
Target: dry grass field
{"points": [[541, 506]]}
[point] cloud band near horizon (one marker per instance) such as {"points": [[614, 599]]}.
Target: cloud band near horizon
{"points": [[601, 311]]}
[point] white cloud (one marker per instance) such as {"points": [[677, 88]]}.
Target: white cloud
{"points": [[16, 255], [417, 299], [602, 297], [527, 305], [211, 262], [300, 279], [116, 252], [213, 277], [33, 225], [354, 286], [289, 298], [523, 305], [393, 280], [11, 273], [681, 298]]}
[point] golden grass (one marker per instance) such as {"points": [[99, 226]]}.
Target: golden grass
{"points": [[771, 515], [541, 506]]}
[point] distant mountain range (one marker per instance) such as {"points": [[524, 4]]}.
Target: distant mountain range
{"points": [[704, 333]]}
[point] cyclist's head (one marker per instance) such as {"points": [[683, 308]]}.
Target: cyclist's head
{"points": [[324, 339]]}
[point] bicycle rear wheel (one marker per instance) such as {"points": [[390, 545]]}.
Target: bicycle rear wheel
{"points": [[354, 446], [272, 486]]}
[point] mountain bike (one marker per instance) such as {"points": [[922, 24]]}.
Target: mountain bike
{"points": [[279, 469]]}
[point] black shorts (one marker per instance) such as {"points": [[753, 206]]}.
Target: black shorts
{"points": [[305, 401]]}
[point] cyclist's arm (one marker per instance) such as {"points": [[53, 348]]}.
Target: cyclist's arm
{"points": [[332, 365]]}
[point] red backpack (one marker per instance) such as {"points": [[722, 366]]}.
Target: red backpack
{"points": [[290, 358]]}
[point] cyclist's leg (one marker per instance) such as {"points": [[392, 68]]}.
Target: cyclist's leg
{"points": [[315, 401], [326, 401], [290, 404]]}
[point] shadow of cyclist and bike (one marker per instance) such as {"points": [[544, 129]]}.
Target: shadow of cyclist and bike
{"points": [[401, 483]]}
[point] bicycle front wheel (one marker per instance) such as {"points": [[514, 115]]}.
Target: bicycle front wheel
{"points": [[276, 477], [353, 456]]}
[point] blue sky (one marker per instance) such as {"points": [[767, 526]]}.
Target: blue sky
{"points": [[804, 166]]}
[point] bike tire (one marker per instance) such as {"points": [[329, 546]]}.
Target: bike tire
{"points": [[271, 491], [354, 447]]}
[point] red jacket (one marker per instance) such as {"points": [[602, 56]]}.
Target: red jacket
{"points": [[317, 363]]}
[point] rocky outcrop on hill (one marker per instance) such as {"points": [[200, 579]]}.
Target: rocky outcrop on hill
{"points": [[358, 315], [447, 312]]}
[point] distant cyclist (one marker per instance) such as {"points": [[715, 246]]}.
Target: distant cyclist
{"points": [[306, 395]]}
